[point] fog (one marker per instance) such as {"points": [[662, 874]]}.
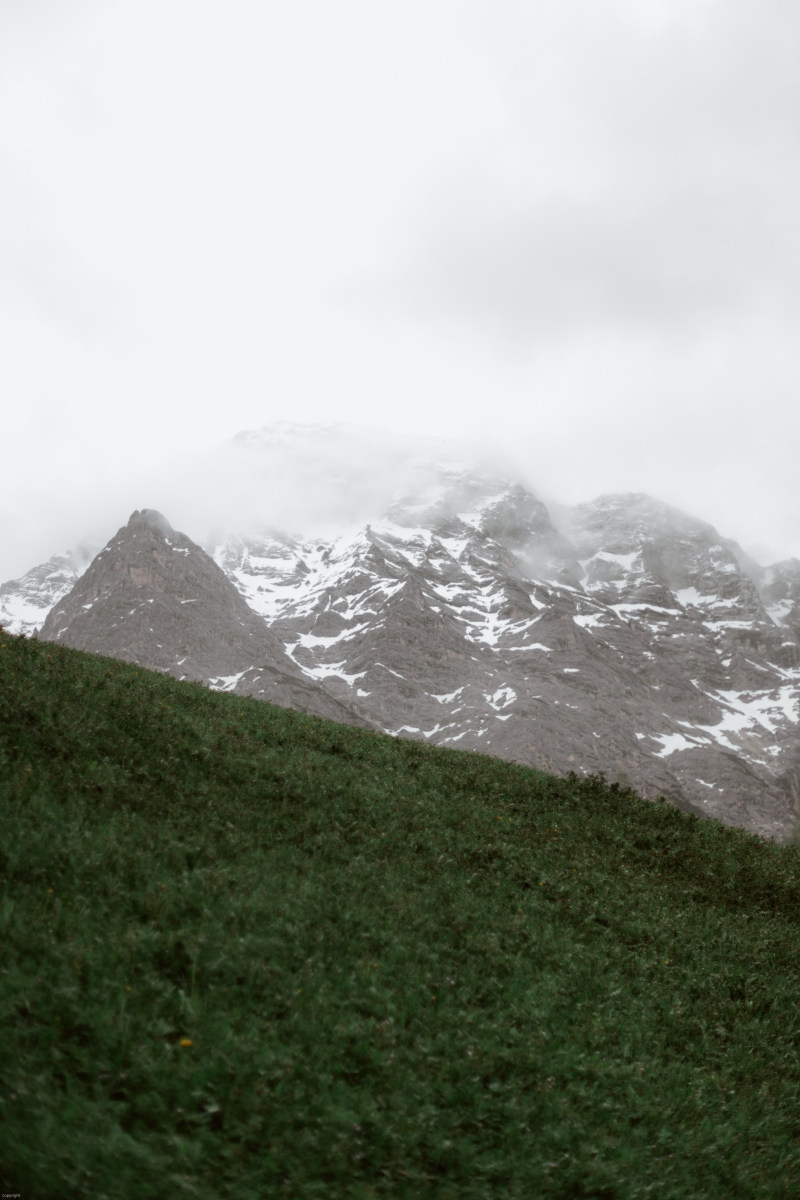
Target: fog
{"points": [[565, 232]]}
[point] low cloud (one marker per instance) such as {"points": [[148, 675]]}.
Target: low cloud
{"points": [[311, 480], [639, 174], [568, 229]]}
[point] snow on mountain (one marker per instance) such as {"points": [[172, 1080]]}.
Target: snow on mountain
{"points": [[443, 604], [154, 597], [638, 644], [25, 602], [780, 591]]}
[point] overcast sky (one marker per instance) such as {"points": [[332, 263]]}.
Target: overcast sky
{"points": [[567, 226]]}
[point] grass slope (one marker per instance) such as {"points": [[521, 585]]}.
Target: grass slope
{"points": [[248, 953]]}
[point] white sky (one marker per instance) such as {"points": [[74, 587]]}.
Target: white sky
{"points": [[567, 226]]}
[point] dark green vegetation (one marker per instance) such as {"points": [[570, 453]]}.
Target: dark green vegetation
{"points": [[247, 953]]}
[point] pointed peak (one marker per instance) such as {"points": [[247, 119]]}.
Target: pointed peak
{"points": [[149, 518]]}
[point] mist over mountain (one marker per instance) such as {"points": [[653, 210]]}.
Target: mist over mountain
{"points": [[315, 480], [440, 600]]}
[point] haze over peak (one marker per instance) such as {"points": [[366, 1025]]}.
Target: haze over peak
{"points": [[149, 519], [628, 636], [320, 478], [569, 228], [305, 476], [316, 478]]}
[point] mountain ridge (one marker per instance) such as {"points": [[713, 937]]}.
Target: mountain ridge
{"points": [[632, 639], [179, 595]]}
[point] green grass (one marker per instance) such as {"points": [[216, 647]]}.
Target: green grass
{"points": [[248, 953]]}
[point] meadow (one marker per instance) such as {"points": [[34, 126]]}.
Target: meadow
{"points": [[246, 953]]}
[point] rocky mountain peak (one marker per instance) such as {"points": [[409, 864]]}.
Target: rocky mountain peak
{"points": [[624, 522], [638, 548], [780, 592], [154, 597], [25, 602], [150, 520], [623, 636], [147, 570]]}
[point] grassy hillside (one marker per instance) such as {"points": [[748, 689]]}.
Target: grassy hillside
{"points": [[252, 954]]}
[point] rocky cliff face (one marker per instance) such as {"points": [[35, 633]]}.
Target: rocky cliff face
{"points": [[25, 602], [631, 639], [154, 597], [636, 641], [780, 593]]}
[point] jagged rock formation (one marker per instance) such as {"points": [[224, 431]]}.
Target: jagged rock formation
{"points": [[780, 592], [635, 642], [25, 602], [631, 639], [154, 597]]}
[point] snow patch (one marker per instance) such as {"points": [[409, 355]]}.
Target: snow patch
{"points": [[589, 620], [780, 612], [622, 610], [625, 561], [672, 742], [691, 596], [224, 683]]}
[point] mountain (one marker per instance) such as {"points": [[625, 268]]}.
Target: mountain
{"points": [[25, 602], [628, 638], [154, 597], [780, 591], [635, 643]]}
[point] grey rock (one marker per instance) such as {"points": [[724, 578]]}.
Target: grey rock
{"points": [[25, 602], [627, 637], [154, 597], [633, 641]]}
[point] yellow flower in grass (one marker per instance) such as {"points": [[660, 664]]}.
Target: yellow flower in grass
{"points": [[185, 1041]]}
